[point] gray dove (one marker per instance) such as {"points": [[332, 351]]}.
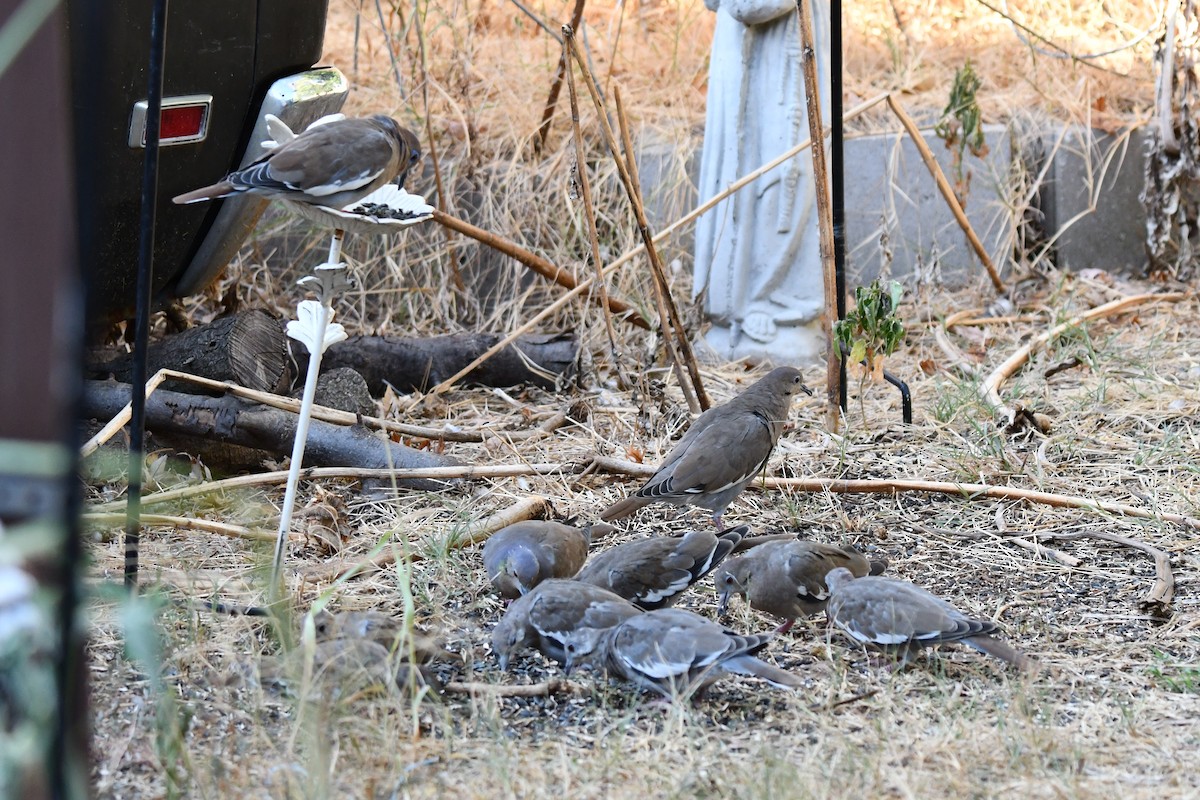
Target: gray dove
{"points": [[726, 447], [333, 164], [524, 554], [787, 579], [677, 653], [653, 573], [899, 617], [554, 614]]}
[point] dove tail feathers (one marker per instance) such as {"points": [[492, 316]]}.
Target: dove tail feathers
{"points": [[221, 189], [749, 665], [623, 508], [1001, 650]]}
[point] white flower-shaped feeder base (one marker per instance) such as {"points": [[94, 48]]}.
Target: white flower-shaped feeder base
{"points": [[386, 210]]}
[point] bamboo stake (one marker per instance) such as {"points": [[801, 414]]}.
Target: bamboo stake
{"points": [[535, 262], [671, 322], [589, 212], [543, 131], [947, 192], [812, 102], [208, 526]]}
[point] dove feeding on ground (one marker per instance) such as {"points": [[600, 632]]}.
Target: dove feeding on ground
{"points": [[555, 614], [678, 653], [653, 573], [723, 450], [522, 555], [787, 579], [333, 164], [901, 618]]}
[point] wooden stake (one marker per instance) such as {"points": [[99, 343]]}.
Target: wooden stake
{"points": [[947, 192], [812, 102]]}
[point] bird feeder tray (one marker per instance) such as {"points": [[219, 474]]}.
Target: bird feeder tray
{"points": [[388, 209]]}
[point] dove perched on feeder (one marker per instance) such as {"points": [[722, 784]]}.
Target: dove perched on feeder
{"points": [[555, 614], [653, 573], [678, 653], [524, 554], [899, 617], [333, 164], [726, 447], [787, 579]]}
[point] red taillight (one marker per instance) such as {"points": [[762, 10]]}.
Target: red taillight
{"points": [[183, 120]]}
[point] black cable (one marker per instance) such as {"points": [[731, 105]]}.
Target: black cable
{"points": [[137, 417]]}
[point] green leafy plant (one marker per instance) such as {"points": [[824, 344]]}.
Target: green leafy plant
{"points": [[871, 331], [961, 126]]}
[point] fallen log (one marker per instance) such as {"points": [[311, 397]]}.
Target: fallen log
{"points": [[414, 365], [231, 420], [248, 349]]}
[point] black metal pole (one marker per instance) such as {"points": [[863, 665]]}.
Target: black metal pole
{"points": [[837, 171], [137, 419]]}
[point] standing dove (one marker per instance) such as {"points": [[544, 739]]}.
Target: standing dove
{"points": [[555, 614], [653, 573], [726, 447], [787, 579], [524, 554], [899, 617], [678, 653], [332, 164]]}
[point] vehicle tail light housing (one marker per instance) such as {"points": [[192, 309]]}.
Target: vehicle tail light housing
{"points": [[184, 120]]}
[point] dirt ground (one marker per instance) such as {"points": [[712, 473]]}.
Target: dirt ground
{"points": [[1117, 707]]}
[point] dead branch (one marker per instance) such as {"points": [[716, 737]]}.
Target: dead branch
{"points": [[991, 385], [969, 491], [1159, 598], [535, 262], [947, 192], [543, 131], [235, 421], [189, 523], [812, 105]]}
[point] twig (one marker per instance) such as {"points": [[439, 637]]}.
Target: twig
{"points": [[1163, 591], [535, 262], [956, 356], [947, 192], [190, 523], [812, 103], [556, 87], [969, 491], [671, 323], [526, 508], [991, 385], [589, 212], [673, 336], [465, 472], [543, 689], [323, 413], [1016, 537]]}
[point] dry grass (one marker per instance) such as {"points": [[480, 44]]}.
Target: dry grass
{"points": [[1118, 711]]}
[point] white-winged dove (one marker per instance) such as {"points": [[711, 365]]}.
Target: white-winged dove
{"points": [[332, 165], [554, 614], [901, 618], [524, 554], [383, 629], [653, 573], [787, 579], [342, 668], [726, 447], [678, 653]]}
